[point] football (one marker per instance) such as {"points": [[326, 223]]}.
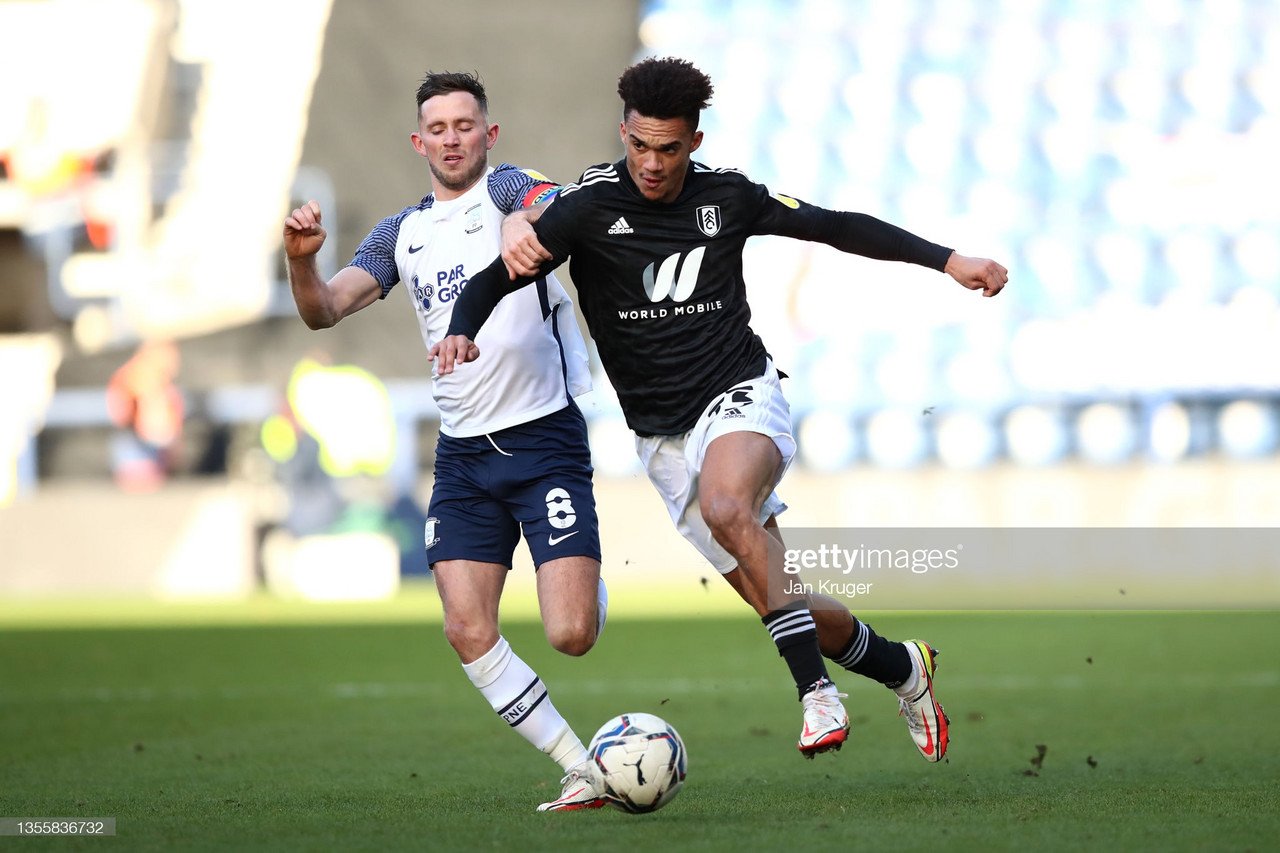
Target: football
{"points": [[642, 761]]}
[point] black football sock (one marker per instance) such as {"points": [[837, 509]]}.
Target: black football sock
{"points": [[869, 654], [796, 637]]}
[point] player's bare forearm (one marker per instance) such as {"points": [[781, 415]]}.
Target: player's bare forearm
{"points": [[321, 304], [311, 294], [977, 273], [304, 235]]}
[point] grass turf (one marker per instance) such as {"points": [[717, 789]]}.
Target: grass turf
{"points": [[368, 736]]}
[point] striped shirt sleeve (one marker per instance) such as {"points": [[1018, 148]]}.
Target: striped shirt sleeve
{"points": [[512, 188], [376, 253]]}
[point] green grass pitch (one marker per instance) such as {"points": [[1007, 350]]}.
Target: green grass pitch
{"points": [[1069, 731]]}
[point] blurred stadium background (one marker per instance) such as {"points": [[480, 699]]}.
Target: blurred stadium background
{"points": [[1112, 155]]}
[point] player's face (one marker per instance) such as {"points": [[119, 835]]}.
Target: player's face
{"points": [[658, 152], [455, 137]]}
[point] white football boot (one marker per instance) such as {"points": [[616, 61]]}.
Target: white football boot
{"points": [[583, 789], [826, 723], [926, 720]]}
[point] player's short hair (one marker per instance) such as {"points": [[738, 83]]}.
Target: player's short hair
{"points": [[665, 88], [444, 82]]}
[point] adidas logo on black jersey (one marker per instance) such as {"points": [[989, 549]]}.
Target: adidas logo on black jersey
{"points": [[621, 227]]}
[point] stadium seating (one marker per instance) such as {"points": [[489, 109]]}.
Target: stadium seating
{"points": [[1111, 155]]}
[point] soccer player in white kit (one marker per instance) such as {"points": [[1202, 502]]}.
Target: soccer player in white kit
{"points": [[512, 455]]}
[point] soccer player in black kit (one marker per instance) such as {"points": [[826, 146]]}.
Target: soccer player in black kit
{"points": [[655, 242]]}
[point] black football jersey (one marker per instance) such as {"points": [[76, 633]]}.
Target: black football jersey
{"points": [[661, 284]]}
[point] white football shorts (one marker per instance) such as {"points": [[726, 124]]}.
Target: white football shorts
{"points": [[674, 462]]}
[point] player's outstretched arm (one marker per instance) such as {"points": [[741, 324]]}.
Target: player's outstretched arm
{"points": [[470, 310], [977, 273], [861, 234], [321, 304]]}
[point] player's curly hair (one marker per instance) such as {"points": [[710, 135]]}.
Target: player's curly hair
{"points": [[665, 88], [444, 82]]}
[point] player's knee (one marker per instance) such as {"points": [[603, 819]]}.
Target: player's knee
{"points": [[726, 516], [470, 638], [574, 639]]}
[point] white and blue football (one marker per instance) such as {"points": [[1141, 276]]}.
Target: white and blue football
{"points": [[641, 760]]}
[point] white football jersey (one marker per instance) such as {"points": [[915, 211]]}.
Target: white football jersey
{"points": [[533, 359]]}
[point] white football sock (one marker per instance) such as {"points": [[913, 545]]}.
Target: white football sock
{"points": [[518, 695], [602, 608], [567, 750]]}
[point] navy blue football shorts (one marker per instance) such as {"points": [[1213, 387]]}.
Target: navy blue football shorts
{"points": [[534, 477]]}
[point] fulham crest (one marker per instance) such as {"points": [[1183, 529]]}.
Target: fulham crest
{"points": [[709, 219]]}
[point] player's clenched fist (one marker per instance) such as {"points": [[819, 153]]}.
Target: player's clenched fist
{"points": [[977, 273], [303, 234], [454, 349]]}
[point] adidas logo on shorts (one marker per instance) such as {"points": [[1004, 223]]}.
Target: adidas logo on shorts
{"points": [[621, 227]]}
